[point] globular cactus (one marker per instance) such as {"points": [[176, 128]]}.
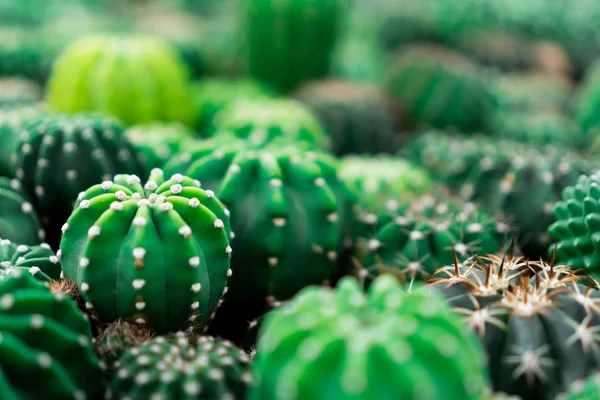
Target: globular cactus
{"points": [[182, 366], [293, 220], [343, 344], [584, 389], [157, 253], [40, 261], [136, 79], [358, 117], [18, 221], [57, 157], [261, 122], [288, 42], [536, 322], [440, 89], [46, 349]]}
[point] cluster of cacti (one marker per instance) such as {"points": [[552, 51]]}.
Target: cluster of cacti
{"points": [[337, 344], [40, 261], [358, 117]]}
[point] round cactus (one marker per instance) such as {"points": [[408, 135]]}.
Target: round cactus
{"points": [[278, 120], [440, 89], [136, 79], [289, 42], [584, 389], [18, 220], [40, 261], [181, 366], [357, 117], [57, 157], [157, 254], [342, 344], [45, 344], [537, 324]]}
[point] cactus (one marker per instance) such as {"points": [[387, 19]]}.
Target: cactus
{"points": [[278, 120], [57, 157], [181, 366], [136, 79], [18, 220], [289, 42], [40, 261], [341, 344], [584, 389], [293, 224], [536, 322], [157, 254], [357, 116], [45, 344], [12, 121], [440, 89]]}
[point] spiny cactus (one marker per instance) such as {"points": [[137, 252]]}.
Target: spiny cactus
{"points": [[40, 261], [18, 220], [157, 254], [584, 389], [440, 89], [357, 116], [181, 366], [45, 344], [136, 79], [293, 219], [289, 42], [537, 324], [57, 157], [264, 121], [341, 344]]}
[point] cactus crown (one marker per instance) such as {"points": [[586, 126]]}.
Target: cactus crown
{"points": [[40, 261]]}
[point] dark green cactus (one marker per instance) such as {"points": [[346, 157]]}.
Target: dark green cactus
{"points": [[156, 253], [584, 389], [343, 344], [537, 324], [57, 157], [40, 261], [18, 221], [181, 366], [46, 346]]}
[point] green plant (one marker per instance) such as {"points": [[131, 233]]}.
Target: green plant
{"points": [[136, 79], [18, 221], [341, 344], [45, 343], [358, 117], [12, 120], [57, 157], [182, 366], [40, 261], [156, 253], [584, 389], [587, 102]]}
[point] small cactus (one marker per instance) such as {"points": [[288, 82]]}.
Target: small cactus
{"points": [[156, 253], [40, 261], [342, 344], [18, 220], [46, 349], [182, 366]]}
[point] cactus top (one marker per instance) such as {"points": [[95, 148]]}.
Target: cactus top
{"points": [[18, 220], [40, 261]]}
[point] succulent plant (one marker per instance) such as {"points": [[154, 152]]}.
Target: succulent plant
{"points": [[157, 254], [440, 89], [136, 79], [583, 389], [46, 344], [357, 116], [182, 366], [12, 120], [18, 221], [292, 41], [23, 53], [40, 261], [56, 157], [341, 344], [261, 122], [537, 323]]}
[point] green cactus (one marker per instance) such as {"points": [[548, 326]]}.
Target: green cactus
{"points": [[46, 346], [584, 389], [357, 116], [289, 42], [587, 102], [18, 91], [18, 221], [136, 79], [12, 120], [158, 253], [24, 53], [181, 366], [343, 344], [40, 261], [271, 120], [536, 322], [440, 89]]}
